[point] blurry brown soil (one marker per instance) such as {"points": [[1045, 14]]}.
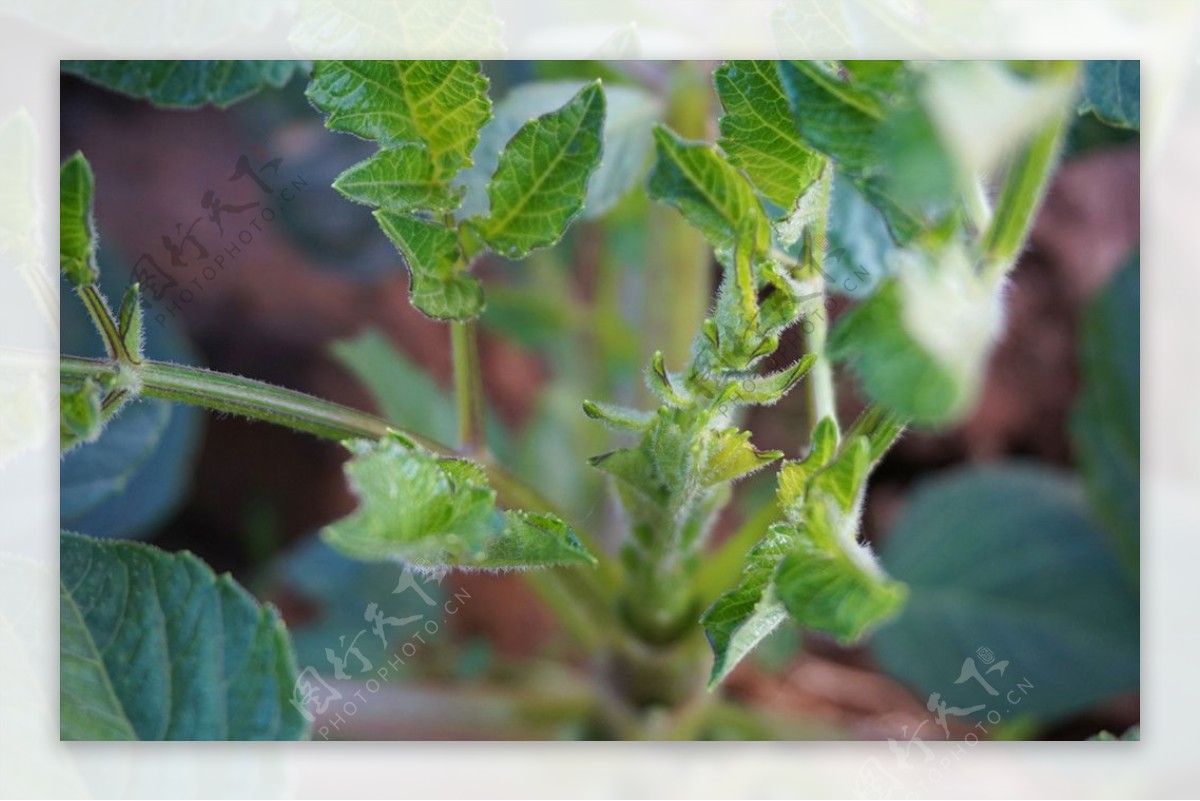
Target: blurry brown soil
{"points": [[274, 318]]}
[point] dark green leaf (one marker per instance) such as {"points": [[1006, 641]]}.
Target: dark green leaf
{"points": [[438, 287], [1105, 424], [154, 646], [1112, 90], [1007, 559], [185, 84], [542, 176], [400, 178]]}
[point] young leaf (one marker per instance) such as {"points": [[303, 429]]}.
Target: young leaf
{"points": [[833, 116], [710, 193], [129, 324], [401, 178], [542, 176], [79, 417], [618, 417], [919, 344], [744, 615], [1112, 90], [154, 646], [440, 104], [77, 230], [440, 512], [768, 389], [434, 258], [728, 456], [758, 133], [829, 581]]}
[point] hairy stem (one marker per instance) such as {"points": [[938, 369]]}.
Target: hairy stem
{"points": [[468, 387], [821, 401], [1022, 194]]}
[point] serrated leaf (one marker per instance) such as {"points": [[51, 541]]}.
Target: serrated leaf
{"points": [[920, 343], [541, 179], [794, 476], [832, 115], [709, 191], [768, 389], [77, 230], [185, 84], [1008, 558], [420, 508], [1112, 90], [154, 646], [628, 115], [1105, 423], [401, 178], [728, 456], [440, 104], [438, 287], [758, 133], [744, 615]]}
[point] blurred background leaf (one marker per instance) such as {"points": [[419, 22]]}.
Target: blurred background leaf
{"points": [[1007, 558]]}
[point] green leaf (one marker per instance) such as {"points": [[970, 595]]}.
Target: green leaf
{"points": [[129, 321], [758, 133], [743, 616], [1105, 423], [434, 258], [77, 230], [542, 176], [920, 343], [439, 104], [710, 193], [728, 456], [829, 581], [618, 417], [185, 84], [440, 512], [401, 178], [1006, 558], [860, 245], [1112, 90], [885, 145], [629, 113], [154, 646], [768, 389], [79, 415]]}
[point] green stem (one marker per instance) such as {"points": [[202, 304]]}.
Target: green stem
{"points": [[468, 387], [821, 401], [102, 316], [260, 401], [1020, 198]]}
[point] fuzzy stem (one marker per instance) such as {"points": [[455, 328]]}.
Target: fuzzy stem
{"points": [[821, 401], [468, 387], [1022, 194]]}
